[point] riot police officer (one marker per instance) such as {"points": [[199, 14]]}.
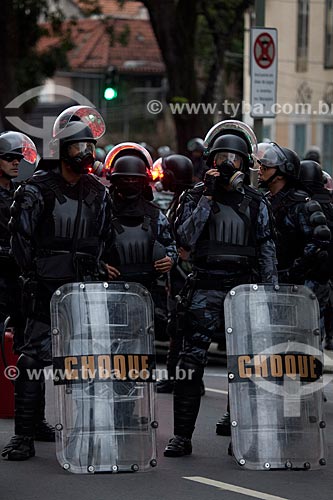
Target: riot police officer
{"points": [[142, 247], [196, 149], [302, 232], [314, 182], [226, 226], [14, 147], [59, 224], [176, 177]]}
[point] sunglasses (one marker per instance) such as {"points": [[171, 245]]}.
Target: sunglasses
{"points": [[9, 157]]}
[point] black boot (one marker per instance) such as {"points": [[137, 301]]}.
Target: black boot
{"points": [[27, 398], [19, 448], [43, 430], [223, 426], [328, 344], [178, 446], [186, 404]]}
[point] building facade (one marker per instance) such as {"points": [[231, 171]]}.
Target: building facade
{"points": [[305, 75]]}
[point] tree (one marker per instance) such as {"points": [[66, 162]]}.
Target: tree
{"points": [[176, 24], [22, 66]]}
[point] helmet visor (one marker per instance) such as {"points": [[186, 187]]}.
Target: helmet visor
{"points": [[85, 114], [128, 147], [219, 158], [227, 126], [270, 156], [81, 147], [16, 143]]}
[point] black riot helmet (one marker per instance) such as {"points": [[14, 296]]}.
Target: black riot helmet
{"points": [[291, 166], [195, 144], [128, 166], [313, 153], [75, 133], [231, 136], [127, 149], [16, 144], [230, 143], [177, 173], [283, 159], [311, 175]]}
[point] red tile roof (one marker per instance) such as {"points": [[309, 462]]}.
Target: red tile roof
{"points": [[93, 51], [131, 9]]}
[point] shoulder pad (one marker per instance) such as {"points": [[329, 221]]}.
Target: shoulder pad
{"points": [[194, 192], [313, 206], [297, 195], [26, 195], [153, 209], [39, 177], [254, 193], [95, 181]]}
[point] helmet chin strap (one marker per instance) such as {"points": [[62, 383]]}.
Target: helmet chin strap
{"points": [[265, 184]]}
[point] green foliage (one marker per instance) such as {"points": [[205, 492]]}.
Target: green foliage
{"points": [[34, 66]]}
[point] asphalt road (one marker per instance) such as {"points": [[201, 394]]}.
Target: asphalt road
{"points": [[209, 473]]}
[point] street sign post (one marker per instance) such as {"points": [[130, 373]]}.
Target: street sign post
{"points": [[263, 72]]}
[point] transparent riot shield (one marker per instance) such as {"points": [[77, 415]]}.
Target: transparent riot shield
{"points": [[104, 363], [275, 377]]}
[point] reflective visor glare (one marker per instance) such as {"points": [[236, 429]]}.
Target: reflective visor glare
{"points": [[83, 147], [221, 157]]}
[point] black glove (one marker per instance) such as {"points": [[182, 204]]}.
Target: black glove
{"points": [[209, 181]]}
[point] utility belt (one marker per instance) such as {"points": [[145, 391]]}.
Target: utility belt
{"points": [[205, 281], [55, 266], [219, 256], [138, 273]]}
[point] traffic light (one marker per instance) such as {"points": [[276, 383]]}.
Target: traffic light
{"points": [[111, 84], [110, 93]]}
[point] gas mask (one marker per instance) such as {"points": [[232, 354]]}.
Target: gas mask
{"points": [[80, 156], [129, 188], [229, 175]]}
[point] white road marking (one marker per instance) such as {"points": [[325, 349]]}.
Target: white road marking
{"points": [[219, 391], [212, 374], [234, 488]]}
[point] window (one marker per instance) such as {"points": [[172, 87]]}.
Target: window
{"points": [[302, 35], [327, 147], [328, 55], [300, 140]]}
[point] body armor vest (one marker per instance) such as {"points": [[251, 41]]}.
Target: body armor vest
{"points": [[7, 263], [227, 241], [134, 247], [68, 214], [290, 242]]}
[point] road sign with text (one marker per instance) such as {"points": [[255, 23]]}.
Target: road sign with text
{"points": [[263, 72]]}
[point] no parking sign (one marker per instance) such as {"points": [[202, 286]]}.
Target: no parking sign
{"points": [[263, 72]]}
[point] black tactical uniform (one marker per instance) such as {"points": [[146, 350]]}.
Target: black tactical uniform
{"points": [[311, 177], [141, 232], [177, 175], [302, 233], [227, 227], [60, 221]]}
